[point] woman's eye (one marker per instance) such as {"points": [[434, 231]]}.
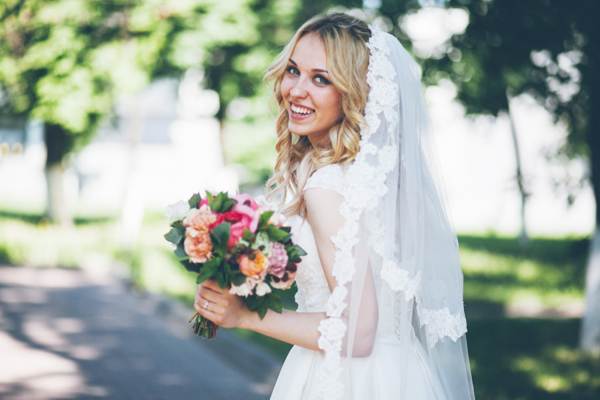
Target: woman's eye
{"points": [[293, 70], [321, 80]]}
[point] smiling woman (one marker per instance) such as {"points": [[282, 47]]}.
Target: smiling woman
{"points": [[320, 85], [380, 312]]}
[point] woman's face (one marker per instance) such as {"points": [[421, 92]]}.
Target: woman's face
{"points": [[312, 102]]}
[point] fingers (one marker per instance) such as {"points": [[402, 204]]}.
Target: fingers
{"points": [[210, 315], [203, 304], [213, 297], [212, 285]]}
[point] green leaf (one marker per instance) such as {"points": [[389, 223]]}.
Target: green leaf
{"points": [[275, 303], [216, 202], [264, 219], [238, 278], [221, 279], [180, 252], [177, 224], [228, 204], [277, 234], [175, 235], [220, 235], [251, 302], [190, 266], [248, 236], [300, 250], [209, 269], [194, 200], [262, 311]]}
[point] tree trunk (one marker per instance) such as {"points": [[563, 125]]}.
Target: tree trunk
{"points": [[590, 330], [59, 193], [523, 236], [132, 209]]}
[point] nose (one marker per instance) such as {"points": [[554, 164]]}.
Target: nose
{"points": [[299, 89]]}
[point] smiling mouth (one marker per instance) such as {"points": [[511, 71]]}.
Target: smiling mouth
{"points": [[300, 111]]}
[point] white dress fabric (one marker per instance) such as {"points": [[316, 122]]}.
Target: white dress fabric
{"points": [[398, 366]]}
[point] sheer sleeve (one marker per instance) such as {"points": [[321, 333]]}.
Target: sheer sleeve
{"points": [[351, 323]]}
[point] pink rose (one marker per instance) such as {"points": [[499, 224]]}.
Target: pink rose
{"points": [[247, 206], [277, 260], [235, 233]]}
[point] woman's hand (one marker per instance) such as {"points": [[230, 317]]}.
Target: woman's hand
{"points": [[219, 306]]}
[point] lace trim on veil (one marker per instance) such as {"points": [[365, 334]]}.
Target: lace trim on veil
{"points": [[364, 185]]}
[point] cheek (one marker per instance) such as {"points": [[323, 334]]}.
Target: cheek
{"points": [[331, 103], [285, 87]]}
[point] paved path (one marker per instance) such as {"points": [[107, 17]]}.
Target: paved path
{"points": [[74, 335]]}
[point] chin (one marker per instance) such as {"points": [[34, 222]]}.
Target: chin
{"points": [[302, 131]]}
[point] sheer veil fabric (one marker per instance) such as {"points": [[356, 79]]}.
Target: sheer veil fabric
{"points": [[396, 261]]}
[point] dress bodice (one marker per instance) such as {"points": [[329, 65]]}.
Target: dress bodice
{"points": [[313, 291]]}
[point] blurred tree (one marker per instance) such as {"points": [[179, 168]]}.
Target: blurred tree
{"points": [[65, 62], [549, 49]]}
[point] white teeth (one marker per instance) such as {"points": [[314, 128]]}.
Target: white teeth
{"points": [[300, 110]]}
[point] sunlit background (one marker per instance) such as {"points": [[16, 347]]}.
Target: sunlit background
{"points": [[111, 110]]}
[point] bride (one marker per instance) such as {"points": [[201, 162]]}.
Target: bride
{"points": [[380, 293]]}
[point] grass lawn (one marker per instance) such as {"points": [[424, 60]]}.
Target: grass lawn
{"points": [[514, 358]]}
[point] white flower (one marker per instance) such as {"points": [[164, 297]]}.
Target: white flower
{"points": [[177, 211], [244, 290], [278, 219], [262, 288], [262, 239]]}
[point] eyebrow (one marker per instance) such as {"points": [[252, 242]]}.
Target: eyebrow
{"points": [[314, 69]]}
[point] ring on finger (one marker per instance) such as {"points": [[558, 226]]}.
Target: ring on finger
{"points": [[205, 305]]}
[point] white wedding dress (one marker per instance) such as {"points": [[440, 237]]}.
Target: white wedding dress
{"points": [[398, 366]]}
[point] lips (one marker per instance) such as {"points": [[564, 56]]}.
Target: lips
{"points": [[300, 113]]}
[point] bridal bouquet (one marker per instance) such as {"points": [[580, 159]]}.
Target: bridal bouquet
{"points": [[237, 243]]}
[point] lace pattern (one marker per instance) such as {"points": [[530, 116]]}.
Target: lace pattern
{"points": [[313, 291]]}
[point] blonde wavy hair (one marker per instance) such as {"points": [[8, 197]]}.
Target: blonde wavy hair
{"points": [[345, 40]]}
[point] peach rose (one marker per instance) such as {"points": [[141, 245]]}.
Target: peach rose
{"points": [[199, 218], [197, 243], [198, 246], [253, 267]]}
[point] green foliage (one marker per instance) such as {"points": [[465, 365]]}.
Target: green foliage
{"points": [[264, 219], [219, 236], [220, 203], [294, 253], [175, 235], [209, 269], [276, 234], [66, 62], [194, 200]]}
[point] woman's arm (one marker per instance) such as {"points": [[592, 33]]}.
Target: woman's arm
{"points": [[300, 328], [323, 214], [227, 310]]}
